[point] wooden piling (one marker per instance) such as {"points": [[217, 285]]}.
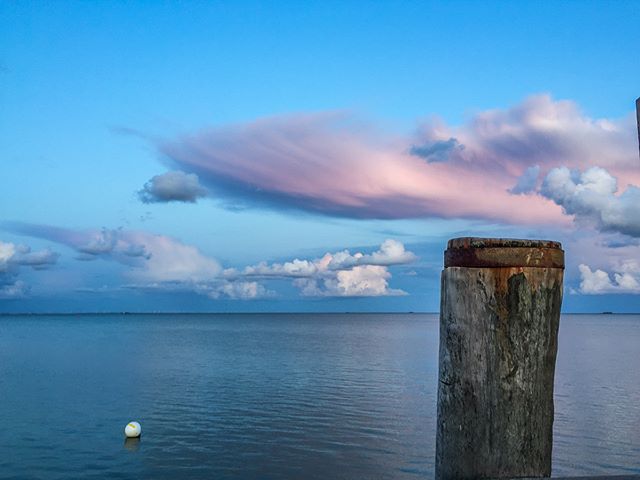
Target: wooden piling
{"points": [[499, 316]]}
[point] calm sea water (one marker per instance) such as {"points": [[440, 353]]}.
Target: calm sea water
{"points": [[278, 396]]}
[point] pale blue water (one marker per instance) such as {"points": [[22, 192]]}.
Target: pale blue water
{"points": [[278, 396]]}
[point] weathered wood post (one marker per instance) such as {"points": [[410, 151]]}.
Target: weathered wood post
{"points": [[499, 316]]}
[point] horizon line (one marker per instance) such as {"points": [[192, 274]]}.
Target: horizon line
{"points": [[410, 312]]}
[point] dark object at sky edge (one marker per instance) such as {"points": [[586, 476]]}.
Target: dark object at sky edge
{"points": [[638, 120]]}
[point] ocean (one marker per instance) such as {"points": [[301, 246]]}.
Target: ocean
{"points": [[278, 396]]}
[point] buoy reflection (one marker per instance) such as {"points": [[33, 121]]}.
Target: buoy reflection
{"points": [[132, 444]]}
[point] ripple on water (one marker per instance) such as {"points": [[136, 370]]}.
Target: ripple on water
{"points": [[276, 397]]}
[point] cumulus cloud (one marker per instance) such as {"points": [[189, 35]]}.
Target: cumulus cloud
{"points": [[12, 258], [598, 282], [293, 269], [591, 197], [328, 163], [173, 186], [341, 274], [361, 281], [391, 252]]}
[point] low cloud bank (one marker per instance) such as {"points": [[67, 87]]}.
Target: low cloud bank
{"points": [[12, 258], [153, 258], [339, 274], [158, 262]]}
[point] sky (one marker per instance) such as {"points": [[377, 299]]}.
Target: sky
{"points": [[310, 156]]}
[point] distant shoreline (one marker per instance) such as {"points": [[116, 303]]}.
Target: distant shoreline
{"points": [[4, 314]]}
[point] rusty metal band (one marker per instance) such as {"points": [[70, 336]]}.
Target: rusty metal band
{"points": [[501, 257]]}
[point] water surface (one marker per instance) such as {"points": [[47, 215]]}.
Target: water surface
{"points": [[278, 396]]}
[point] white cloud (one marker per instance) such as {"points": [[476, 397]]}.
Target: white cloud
{"points": [[7, 250], [591, 197], [295, 268], [360, 281], [170, 260], [391, 252], [597, 282], [338, 274]]}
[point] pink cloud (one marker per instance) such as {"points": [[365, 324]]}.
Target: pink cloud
{"points": [[327, 163]]}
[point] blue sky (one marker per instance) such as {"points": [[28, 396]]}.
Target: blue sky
{"points": [[180, 156]]}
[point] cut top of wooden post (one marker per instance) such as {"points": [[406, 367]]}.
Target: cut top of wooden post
{"points": [[476, 252]]}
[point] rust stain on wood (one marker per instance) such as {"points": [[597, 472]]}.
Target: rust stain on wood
{"points": [[503, 252]]}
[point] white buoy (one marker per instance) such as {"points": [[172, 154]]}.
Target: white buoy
{"points": [[133, 430]]}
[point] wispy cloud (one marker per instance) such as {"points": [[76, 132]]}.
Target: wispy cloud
{"points": [[155, 262], [527, 182], [213, 288], [237, 290], [151, 257], [329, 164], [437, 150]]}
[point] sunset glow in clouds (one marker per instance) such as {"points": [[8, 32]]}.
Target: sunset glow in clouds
{"points": [[283, 163], [326, 164], [536, 164]]}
